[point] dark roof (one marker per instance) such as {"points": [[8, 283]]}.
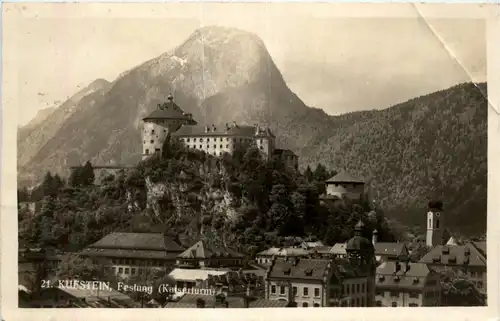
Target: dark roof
{"points": [[466, 254], [138, 241], [202, 250], [306, 269], [344, 177], [413, 277], [223, 130], [481, 246], [347, 270], [189, 301], [129, 253], [280, 152], [389, 248], [359, 243], [169, 110]]}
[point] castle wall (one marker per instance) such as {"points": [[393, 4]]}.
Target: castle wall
{"points": [[352, 191]]}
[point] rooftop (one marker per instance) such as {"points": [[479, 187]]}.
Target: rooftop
{"points": [[202, 250], [189, 301], [344, 177], [194, 274], [408, 276], [169, 110], [338, 249], [390, 249], [223, 130], [138, 241], [290, 251], [306, 269], [466, 254]]}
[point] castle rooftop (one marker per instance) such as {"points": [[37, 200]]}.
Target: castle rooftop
{"points": [[169, 110]]}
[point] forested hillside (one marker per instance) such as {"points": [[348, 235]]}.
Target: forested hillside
{"points": [[239, 200]]}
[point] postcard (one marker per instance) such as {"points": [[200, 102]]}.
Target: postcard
{"points": [[265, 156]]}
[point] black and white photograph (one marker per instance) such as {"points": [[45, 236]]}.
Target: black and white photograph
{"points": [[247, 155]]}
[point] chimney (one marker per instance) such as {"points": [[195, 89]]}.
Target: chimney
{"points": [[374, 237], [214, 128], [206, 129], [227, 127], [170, 98], [234, 123], [397, 267], [257, 129]]}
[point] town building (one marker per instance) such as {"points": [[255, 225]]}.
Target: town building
{"points": [[325, 282], [195, 278], [469, 259], [203, 255], [232, 302], [216, 140], [343, 185], [338, 250], [35, 264], [405, 284], [265, 257], [131, 254], [389, 251]]}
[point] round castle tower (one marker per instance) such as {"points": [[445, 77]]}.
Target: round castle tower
{"points": [[166, 119]]}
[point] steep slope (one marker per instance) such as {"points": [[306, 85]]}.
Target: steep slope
{"points": [[431, 146], [33, 136], [213, 64]]}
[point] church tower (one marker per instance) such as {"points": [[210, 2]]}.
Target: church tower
{"points": [[435, 224], [166, 119]]}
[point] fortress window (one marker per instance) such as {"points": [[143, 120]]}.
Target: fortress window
{"points": [[187, 139], [227, 146], [147, 151], [437, 223], [221, 146], [194, 139], [152, 141], [215, 146], [261, 147], [152, 131], [201, 147], [201, 140], [208, 139]]}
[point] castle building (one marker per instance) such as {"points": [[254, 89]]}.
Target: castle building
{"points": [[343, 185], [405, 284], [167, 119], [217, 140], [435, 225], [212, 139]]}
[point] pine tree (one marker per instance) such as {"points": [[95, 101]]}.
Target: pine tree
{"points": [[309, 174]]}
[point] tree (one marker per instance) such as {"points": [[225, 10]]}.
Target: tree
{"points": [[321, 174], [74, 266], [87, 175], [23, 195], [308, 174]]}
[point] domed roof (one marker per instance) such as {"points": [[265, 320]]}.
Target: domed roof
{"points": [[358, 242]]}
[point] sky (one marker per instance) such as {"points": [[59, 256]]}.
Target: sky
{"points": [[338, 57]]}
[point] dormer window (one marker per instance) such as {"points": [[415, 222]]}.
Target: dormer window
{"points": [[308, 272], [416, 280], [287, 271], [446, 250], [381, 278], [397, 278]]}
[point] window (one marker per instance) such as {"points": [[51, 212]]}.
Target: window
{"points": [[208, 139], [305, 291], [127, 270], [413, 305], [430, 223], [305, 305], [194, 139], [413, 295], [188, 139], [394, 294], [114, 270], [201, 146], [294, 289], [437, 223], [147, 151], [120, 270], [133, 271], [273, 289], [358, 287], [316, 305], [221, 146], [347, 288], [152, 131], [201, 140], [362, 287], [215, 146], [282, 289], [353, 288], [394, 304], [227, 146], [316, 292]]}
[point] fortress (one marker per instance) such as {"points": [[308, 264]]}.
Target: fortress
{"points": [[214, 140]]}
